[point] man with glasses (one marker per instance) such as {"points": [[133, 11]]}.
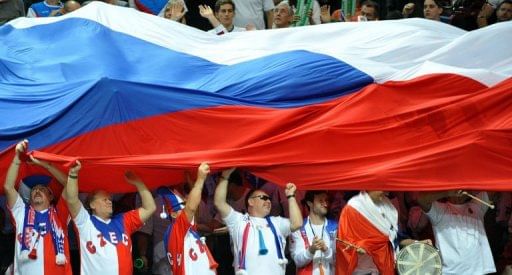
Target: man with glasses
{"points": [[258, 239]]}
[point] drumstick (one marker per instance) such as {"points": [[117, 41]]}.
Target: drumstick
{"points": [[478, 199], [348, 244]]}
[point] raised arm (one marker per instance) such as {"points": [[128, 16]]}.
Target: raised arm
{"points": [[70, 193], [148, 203], [56, 173], [194, 197], [426, 199], [221, 193], [12, 174], [293, 207], [207, 13]]}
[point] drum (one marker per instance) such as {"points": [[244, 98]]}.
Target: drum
{"points": [[419, 259]]}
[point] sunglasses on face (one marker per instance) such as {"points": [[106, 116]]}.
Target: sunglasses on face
{"points": [[262, 197]]}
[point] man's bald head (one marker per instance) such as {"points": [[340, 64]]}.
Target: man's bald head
{"points": [[70, 6]]}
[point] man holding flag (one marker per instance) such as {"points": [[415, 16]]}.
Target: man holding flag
{"points": [[41, 245], [186, 250]]}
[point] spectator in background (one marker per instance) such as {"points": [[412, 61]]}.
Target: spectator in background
{"points": [[459, 232], [175, 10], [488, 15], [222, 19], [283, 15], [68, 7], [44, 8], [313, 15], [432, 9], [11, 9], [251, 12], [370, 11]]}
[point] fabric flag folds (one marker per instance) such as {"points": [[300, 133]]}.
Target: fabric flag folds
{"points": [[391, 105]]}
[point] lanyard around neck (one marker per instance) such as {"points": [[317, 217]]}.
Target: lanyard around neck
{"points": [[323, 228]]}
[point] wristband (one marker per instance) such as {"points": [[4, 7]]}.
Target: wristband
{"points": [[73, 176], [222, 178], [290, 196]]}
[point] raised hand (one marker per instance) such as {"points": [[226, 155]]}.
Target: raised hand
{"points": [[486, 11], [21, 147], [73, 171], [132, 178], [177, 11], [206, 11], [203, 171], [325, 14], [408, 9], [290, 189]]}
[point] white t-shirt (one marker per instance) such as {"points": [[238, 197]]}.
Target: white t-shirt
{"points": [[460, 236], [108, 253], [257, 264], [186, 250], [251, 11], [303, 257], [44, 246]]}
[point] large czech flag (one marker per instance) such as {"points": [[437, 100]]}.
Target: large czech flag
{"points": [[390, 105]]}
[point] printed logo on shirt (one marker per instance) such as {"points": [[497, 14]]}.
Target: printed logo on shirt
{"points": [[202, 249], [113, 239]]}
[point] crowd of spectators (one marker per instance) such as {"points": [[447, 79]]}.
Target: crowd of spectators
{"points": [[239, 15], [149, 253], [223, 16]]}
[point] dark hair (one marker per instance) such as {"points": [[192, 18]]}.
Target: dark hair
{"points": [[374, 5], [310, 196], [439, 3], [223, 2], [504, 2]]}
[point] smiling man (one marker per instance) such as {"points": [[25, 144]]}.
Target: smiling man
{"points": [[105, 242], [222, 19], [313, 246], [258, 238]]}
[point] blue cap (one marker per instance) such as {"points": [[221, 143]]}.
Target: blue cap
{"points": [[172, 201]]}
